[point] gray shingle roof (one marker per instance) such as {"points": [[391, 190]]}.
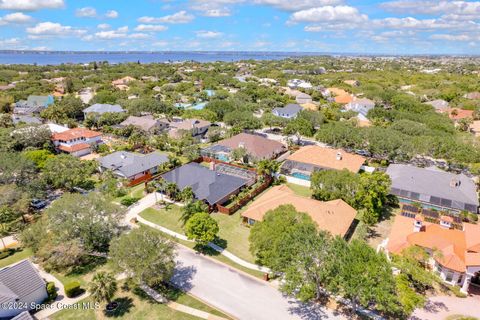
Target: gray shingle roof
{"points": [[432, 183], [289, 110], [206, 184], [129, 164], [19, 280], [103, 108], [25, 315]]}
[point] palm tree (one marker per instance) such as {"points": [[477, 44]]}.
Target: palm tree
{"points": [[4, 231], [171, 189], [103, 287], [267, 167]]}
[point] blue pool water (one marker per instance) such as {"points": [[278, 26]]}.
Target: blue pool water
{"points": [[302, 176]]}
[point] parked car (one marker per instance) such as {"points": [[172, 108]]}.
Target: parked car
{"points": [[38, 204]]}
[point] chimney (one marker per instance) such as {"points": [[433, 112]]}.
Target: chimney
{"points": [[241, 144], [212, 165], [454, 183], [339, 156], [446, 222], [418, 223], [123, 156]]}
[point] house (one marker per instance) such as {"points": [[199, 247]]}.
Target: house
{"points": [[457, 114], [131, 165], [33, 105], [301, 164], [208, 184], [298, 83], [122, 83], [303, 98], [85, 95], [290, 111], [28, 119], [20, 285], [256, 147], [455, 253], [77, 141], [145, 123], [433, 188], [344, 99], [360, 105], [439, 105], [99, 108], [472, 95], [334, 216], [196, 127]]}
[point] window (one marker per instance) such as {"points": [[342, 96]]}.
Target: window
{"points": [[449, 276]]}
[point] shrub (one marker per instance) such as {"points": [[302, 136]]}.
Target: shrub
{"points": [[121, 192], [128, 201], [51, 290], [6, 253], [73, 289], [473, 217]]}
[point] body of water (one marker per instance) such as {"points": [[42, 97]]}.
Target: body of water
{"points": [[55, 58]]}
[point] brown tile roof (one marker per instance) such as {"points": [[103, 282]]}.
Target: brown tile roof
{"points": [[344, 99], [257, 146], [338, 91], [457, 114], [458, 248], [334, 216], [75, 133], [327, 158], [74, 148]]}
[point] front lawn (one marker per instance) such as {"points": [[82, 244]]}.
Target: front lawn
{"points": [[168, 217], [133, 192], [134, 304], [21, 254], [300, 190]]}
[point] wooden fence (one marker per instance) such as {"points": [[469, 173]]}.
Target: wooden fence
{"points": [[240, 203]]}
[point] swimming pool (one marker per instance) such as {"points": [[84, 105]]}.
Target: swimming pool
{"points": [[302, 176]]}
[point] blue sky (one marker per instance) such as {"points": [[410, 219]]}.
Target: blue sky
{"points": [[370, 26]]}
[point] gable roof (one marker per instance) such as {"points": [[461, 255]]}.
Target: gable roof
{"points": [[327, 158], [432, 182], [206, 184], [75, 133], [255, 145], [145, 123], [19, 280], [334, 216], [129, 164], [290, 109], [103, 108], [438, 104]]}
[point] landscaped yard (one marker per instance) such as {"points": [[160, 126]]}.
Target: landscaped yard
{"points": [[136, 305], [300, 190], [168, 217], [136, 191], [16, 257]]}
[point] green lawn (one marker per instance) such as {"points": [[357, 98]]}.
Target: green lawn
{"points": [[16, 257], [136, 305], [300, 190], [136, 191], [168, 217]]}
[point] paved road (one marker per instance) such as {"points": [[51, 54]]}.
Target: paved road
{"points": [[440, 307], [236, 293]]}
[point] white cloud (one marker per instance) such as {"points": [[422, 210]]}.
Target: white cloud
{"points": [[15, 18], [216, 13], [53, 29], [41, 48], [103, 26], [179, 17], [31, 5], [87, 12], [111, 14], [11, 43], [208, 34], [457, 8], [298, 5], [160, 43], [261, 44], [120, 33], [123, 29], [112, 34], [328, 14], [454, 37], [150, 27]]}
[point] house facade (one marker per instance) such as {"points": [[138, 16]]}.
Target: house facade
{"points": [[33, 105], [20, 285], [454, 252], [77, 141], [433, 188]]}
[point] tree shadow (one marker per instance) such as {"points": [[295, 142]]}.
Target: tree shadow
{"points": [[124, 306], [309, 310], [91, 264], [183, 276], [434, 307], [220, 242], [205, 250]]}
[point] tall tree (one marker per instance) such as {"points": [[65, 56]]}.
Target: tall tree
{"points": [[191, 208], [103, 287], [201, 228], [67, 172]]}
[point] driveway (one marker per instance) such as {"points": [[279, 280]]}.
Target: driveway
{"points": [[440, 307], [238, 294]]}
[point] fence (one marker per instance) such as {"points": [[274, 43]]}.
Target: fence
{"points": [[240, 203]]}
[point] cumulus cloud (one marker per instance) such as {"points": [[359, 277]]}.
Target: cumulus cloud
{"points": [[87, 12], [111, 14], [150, 27], [208, 34], [297, 5], [31, 5], [176, 18], [434, 7], [454, 37], [15, 18], [53, 29], [328, 14], [120, 33], [10, 43], [103, 26]]}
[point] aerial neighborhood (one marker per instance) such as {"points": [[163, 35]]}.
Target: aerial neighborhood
{"points": [[210, 188]]}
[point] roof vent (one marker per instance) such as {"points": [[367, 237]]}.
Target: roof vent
{"points": [[123, 156], [454, 183], [446, 222], [339, 156], [418, 223]]}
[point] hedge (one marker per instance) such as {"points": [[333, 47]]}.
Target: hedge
{"points": [[128, 201], [73, 289], [51, 290], [6, 253]]}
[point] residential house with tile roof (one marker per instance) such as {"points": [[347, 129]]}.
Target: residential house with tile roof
{"points": [[256, 147], [20, 285], [455, 253], [146, 123], [77, 141], [334, 216], [196, 127]]}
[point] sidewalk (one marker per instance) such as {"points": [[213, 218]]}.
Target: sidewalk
{"points": [[10, 241]]}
